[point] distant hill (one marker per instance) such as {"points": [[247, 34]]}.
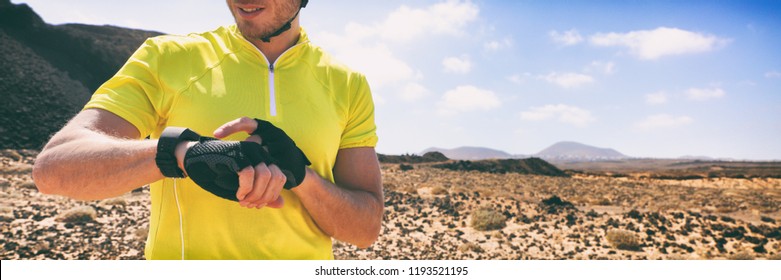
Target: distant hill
{"points": [[407, 158], [49, 72], [690, 157], [471, 153], [534, 166], [577, 151], [560, 151]]}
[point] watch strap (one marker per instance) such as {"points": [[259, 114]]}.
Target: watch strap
{"points": [[166, 148]]}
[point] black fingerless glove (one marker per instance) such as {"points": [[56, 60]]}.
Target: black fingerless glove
{"points": [[290, 159], [214, 164]]}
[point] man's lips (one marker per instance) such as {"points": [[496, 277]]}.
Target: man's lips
{"points": [[248, 12]]}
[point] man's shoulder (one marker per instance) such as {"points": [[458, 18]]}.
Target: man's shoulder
{"points": [[210, 41]]}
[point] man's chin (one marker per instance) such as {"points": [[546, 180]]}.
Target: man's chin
{"points": [[250, 31]]}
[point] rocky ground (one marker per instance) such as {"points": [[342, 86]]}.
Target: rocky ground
{"points": [[38, 226], [442, 214]]}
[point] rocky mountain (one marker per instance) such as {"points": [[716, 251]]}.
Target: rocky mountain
{"points": [[577, 151], [471, 153], [560, 151], [48, 72]]}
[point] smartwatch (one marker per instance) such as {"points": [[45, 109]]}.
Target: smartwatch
{"points": [[166, 147]]}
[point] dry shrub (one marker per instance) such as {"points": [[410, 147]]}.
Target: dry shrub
{"points": [[723, 209], [438, 190], [741, 256], [142, 232], [470, 247], [12, 154], [487, 192], [675, 257], [460, 189], [7, 217], [80, 214], [6, 214], [17, 169], [119, 201], [409, 188], [487, 219], [602, 201], [30, 185], [405, 167], [623, 239]]}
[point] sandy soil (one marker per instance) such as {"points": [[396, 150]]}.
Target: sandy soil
{"points": [[429, 216]]}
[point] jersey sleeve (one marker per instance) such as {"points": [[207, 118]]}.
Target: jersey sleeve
{"points": [[135, 93], [360, 130]]}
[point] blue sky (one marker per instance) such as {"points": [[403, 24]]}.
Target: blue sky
{"points": [[647, 78]]}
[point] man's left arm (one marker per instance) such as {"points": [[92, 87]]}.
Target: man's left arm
{"points": [[350, 210]]}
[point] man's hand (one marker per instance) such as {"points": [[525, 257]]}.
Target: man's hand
{"points": [[259, 185], [284, 151], [227, 168], [214, 164]]}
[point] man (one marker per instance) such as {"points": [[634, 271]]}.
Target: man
{"points": [[217, 83]]}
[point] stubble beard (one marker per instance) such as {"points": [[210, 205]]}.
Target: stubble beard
{"points": [[256, 31]]}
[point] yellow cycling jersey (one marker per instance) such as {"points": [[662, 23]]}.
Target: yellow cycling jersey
{"points": [[202, 81]]}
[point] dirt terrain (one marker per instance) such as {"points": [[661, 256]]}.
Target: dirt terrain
{"points": [[434, 213]]}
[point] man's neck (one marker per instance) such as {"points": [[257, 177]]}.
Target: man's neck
{"points": [[278, 44]]}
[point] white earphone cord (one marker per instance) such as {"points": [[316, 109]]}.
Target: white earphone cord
{"points": [[179, 209]]}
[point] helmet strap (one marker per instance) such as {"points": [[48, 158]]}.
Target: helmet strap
{"points": [[286, 26]]}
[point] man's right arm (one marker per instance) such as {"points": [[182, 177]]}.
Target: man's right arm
{"points": [[96, 155]]}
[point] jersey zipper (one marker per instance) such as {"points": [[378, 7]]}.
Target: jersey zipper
{"points": [[272, 96]]}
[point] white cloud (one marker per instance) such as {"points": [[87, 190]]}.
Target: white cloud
{"points": [[458, 65], [413, 92], [377, 62], [368, 48], [406, 24], [656, 98], [496, 45], [466, 99], [568, 38], [605, 67], [662, 41], [518, 78], [563, 113], [773, 74], [567, 80], [702, 94], [662, 121]]}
